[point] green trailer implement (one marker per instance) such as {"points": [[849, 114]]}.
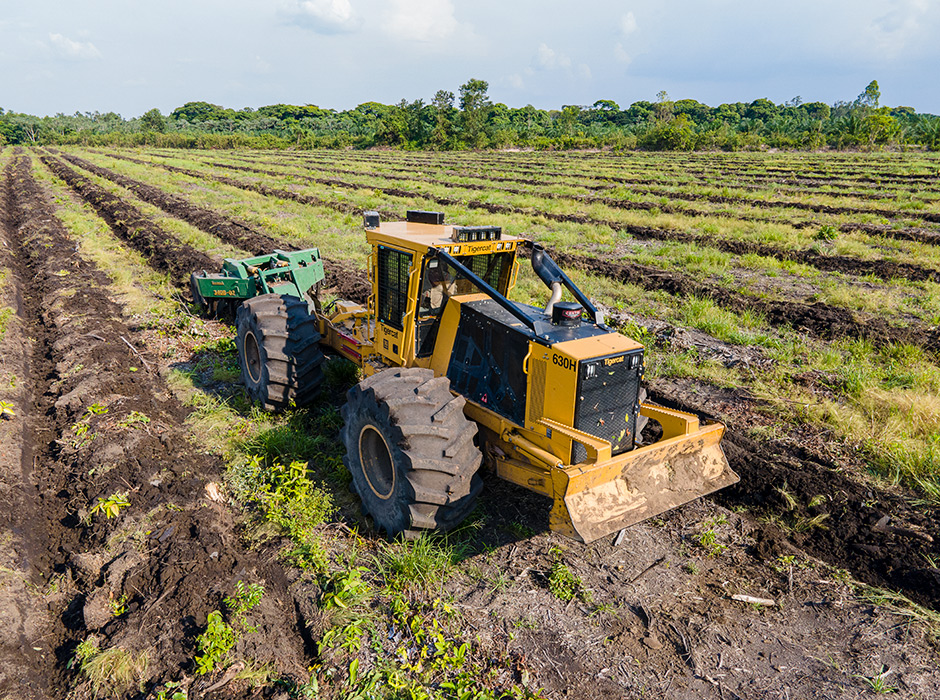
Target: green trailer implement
{"points": [[292, 273]]}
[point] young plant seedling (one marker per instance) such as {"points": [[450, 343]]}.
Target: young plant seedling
{"points": [[111, 506]]}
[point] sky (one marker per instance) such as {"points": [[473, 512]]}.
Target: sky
{"points": [[128, 56]]}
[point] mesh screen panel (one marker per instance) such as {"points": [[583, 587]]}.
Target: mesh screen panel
{"points": [[393, 268], [608, 389]]}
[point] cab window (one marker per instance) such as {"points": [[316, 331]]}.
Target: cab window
{"points": [[392, 270]]}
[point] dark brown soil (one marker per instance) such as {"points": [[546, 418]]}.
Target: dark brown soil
{"points": [[339, 274], [174, 553], [164, 251], [894, 554]]}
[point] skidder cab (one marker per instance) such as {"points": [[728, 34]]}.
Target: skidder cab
{"points": [[456, 373]]}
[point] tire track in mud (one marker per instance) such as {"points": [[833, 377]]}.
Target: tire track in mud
{"points": [[164, 251], [100, 428], [878, 535], [237, 233]]}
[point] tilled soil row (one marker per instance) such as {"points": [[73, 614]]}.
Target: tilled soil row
{"points": [[629, 205], [918, 234], [703, 176], [653, 186], [103, 424], [820, 320], [885, 269], [903, 233], [163, 251], [232, 231], [23, 556]]}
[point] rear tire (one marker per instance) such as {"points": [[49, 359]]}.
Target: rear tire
{"points": [[410, 451], [278, 350]]}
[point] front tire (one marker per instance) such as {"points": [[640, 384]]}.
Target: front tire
{"points": [[278, 350], [410, 451]]}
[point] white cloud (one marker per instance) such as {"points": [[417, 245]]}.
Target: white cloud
{"points": [[893, 31], [550, 59], [74, 50], [261, 67], [628, 23], [620, 53], [323, 16], [584, 71], [421, 20], [515, 80]]}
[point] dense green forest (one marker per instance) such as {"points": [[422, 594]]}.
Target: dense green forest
{"points": [[471, 120]]}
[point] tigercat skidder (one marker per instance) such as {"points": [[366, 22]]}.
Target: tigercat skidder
{"points": [[456, 374]]}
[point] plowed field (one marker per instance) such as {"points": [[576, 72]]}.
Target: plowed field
{"points": [[162, 538]]}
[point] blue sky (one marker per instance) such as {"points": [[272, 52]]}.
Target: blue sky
{"points": [[128, 56]]}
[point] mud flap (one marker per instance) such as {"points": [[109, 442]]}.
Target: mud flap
{"points": [[593, 500]]}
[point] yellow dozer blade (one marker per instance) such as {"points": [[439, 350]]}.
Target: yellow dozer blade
{"points": [[602, 496]]}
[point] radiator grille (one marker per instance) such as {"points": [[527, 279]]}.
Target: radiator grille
{"points": [[608, 389]]}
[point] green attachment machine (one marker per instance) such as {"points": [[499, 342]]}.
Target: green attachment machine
{"points": [[292, 273]]}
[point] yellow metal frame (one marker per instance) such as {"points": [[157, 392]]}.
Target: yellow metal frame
{"points": [[600, 495]]}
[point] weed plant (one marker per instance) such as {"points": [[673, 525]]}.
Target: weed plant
{"points": [[111, 672]]}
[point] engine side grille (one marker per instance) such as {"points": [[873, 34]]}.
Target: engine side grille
{"points": [[537, 399], [608, 389]]}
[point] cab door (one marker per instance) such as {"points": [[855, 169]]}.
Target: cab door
{"points": [[395, 288]]}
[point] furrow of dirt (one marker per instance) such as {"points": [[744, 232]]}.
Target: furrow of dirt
{"points": [[645, 185], [885, 269], [232, 231], [711, 178], [902, 233], [917, 234], [163, 251], [237, 233], [101, 425], [23, 555], [820, 320], [616, 203]]}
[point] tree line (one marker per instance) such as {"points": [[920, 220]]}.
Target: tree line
{"points": [[470, 120]]}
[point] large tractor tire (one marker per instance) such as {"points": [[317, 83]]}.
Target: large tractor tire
{"points": [[278, 350], [410, 451]]}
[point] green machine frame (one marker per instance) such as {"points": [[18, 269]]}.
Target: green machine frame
{"points": [[292, 273]]}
